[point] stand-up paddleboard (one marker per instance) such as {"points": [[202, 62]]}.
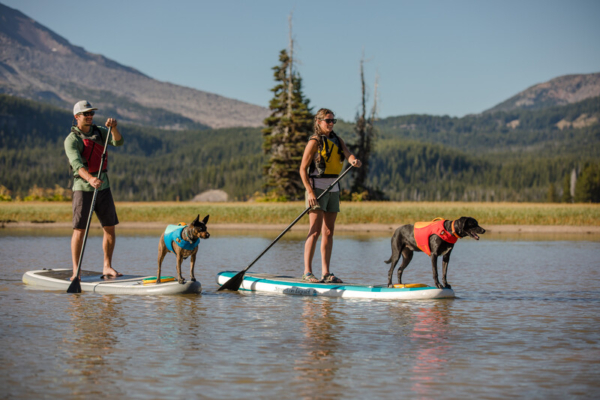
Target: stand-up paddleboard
{"points": [[290, 285], [91, 281]]}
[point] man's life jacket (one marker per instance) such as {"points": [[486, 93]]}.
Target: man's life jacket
{"points": [[423, 230], [329, 159], [173, 234], [93, 148]]}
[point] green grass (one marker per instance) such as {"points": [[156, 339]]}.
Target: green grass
{"points": [[352, 213]]}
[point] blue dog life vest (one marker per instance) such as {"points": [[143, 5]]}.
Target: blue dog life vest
{"points": [[173, 234]]}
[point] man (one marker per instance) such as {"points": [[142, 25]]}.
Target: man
{"points": [[84, 147]]}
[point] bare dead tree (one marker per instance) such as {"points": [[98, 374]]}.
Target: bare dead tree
{"points": [[290, 90], [365, 139]]}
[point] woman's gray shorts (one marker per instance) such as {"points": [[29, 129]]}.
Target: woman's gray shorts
{"points": [[328, 203]]}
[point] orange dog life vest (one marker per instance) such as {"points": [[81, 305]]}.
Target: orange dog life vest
{"points": [[423, 230]]}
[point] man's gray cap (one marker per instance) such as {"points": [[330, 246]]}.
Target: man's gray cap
{"points": [[82, 106]]}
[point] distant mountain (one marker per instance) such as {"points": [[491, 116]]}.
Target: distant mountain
{"points": [[559, 91], [38, 64]]}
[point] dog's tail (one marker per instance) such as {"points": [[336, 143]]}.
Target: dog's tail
{"points": [[390, 260]]}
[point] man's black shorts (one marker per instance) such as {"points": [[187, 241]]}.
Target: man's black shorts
{"points": [[104, 209]]}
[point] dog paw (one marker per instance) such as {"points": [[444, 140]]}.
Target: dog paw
{"points": [[447, 286], [193, 279], [438, 285], [181, 281]]}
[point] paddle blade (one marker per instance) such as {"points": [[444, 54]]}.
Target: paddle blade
{"points": [[234, 283], [75, 286]]}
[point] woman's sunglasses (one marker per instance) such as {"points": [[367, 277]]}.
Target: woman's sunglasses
{"points": [[329, 120], [88, 114]]}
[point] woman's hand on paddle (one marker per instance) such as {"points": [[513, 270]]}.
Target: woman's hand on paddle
{"points": [[355, 162], [312, 199]]}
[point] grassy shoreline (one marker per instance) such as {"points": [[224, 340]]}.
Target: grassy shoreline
{"points": [[352, 213]]}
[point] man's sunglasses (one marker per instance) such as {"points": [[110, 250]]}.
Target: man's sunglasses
{"points": [[88, 114], [329, 120]]}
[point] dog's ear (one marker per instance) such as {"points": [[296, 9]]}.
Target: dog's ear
{"points": [[195, 222], [205, 220], [459, 224]]}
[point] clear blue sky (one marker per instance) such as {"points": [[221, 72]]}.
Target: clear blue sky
{"points": [[432, 57]]}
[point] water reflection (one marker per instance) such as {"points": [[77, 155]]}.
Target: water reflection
{"points": [[316, 370], [431, 346], [91, 341]]}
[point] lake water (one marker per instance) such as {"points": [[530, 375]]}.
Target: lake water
{"points": [[525, 324]]}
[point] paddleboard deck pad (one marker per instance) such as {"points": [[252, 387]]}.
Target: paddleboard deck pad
{"points": [[290, 285], [59, 279]]}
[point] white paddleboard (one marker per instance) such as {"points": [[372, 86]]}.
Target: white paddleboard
{"points": [[290, 285], [59, 279]]}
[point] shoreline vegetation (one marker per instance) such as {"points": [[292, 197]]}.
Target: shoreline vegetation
{"points": [[374, 216]]}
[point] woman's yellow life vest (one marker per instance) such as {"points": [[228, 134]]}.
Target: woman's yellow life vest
{"points": [[329, 158]]}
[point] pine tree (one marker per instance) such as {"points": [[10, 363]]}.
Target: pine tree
{"points": [[552, 196], [587, 189], [566, 196], [287, 131]]}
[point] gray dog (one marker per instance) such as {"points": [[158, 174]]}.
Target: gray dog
{"points": [[182, 240], [436, 238]]}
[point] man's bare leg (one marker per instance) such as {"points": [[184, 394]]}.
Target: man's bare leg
{"points": [[76, 244], [108, 245]]}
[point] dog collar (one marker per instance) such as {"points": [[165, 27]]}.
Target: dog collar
{"points": [[187, 236], [453, 231]]}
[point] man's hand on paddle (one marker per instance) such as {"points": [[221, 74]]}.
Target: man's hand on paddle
{"points": [[92, 180], [95, 182], [111, 123]]}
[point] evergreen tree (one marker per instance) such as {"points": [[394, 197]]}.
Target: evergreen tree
{"points": [[552, 196], [566, 197], [587, 189], [287, 131]]}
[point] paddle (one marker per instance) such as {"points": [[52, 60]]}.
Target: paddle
{"points": [[235, 282], [75, 286]]}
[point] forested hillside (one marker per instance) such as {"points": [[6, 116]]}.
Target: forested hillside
{"points": [[568, 130], [476, 158], [521, 155], [152, 165], [411, 170]]}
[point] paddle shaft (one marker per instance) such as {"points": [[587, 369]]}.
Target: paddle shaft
{"points": [[239, 275], [75, 286]]}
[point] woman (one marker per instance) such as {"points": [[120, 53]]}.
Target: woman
{"points": [[321, 164]]}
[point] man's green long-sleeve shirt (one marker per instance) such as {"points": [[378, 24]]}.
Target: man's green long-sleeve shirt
{"points": [[74, 150]]}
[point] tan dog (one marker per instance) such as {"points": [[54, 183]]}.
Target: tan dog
{"points": [[183, 241]]}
